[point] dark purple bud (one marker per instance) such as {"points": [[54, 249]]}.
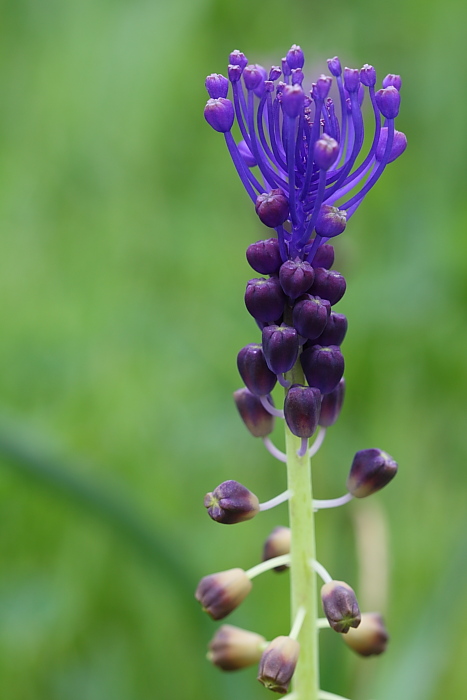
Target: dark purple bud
{"points": [[371, 636], [320, 89], [286, 70], [331, 405], [278, 663], [297, 76], [296, 276], [295, 57], [335, 330], [277, 543], [328, 284], [334, 66], [280, 87], [254, 371], [265, 299], [272, 208], [237, 58], [246, 154], [217, 85], [219, 114], [275, 73], [399, 145], [301, 410], [351, 79], [323, 367], [340, 606], [234, 73], [221, 593], [269, 86], [331, 221], [264, 256], [258, 421], [371, 470], [388, 101], [293, 98], [394, 80], [231, 503], [310, 316], [324, 256], [280, 347], [252, 75], [368, 75], [325, 153], [233, 648]]}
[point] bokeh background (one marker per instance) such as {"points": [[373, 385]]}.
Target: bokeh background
{"points": [[122, 272]]}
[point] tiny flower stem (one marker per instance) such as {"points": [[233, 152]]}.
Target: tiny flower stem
{"points": [[267, 565], [283, 382], [276, 501], [322, 623], [270, 409], [297, 625], [318, 442], [321, 571], [323, 695], [281, 456], [332, 502], [303, 448]]}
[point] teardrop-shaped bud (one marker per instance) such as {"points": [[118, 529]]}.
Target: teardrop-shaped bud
{"points": [[334, 66], [219, 114], [371, 636], [328, 284], [258, 421], [340, 606], [323, 367], [325, 152], [233, 648], [253, 75], [324, 256], [368, 75], [388, 101], [254, 370], [310, 316], [221, 593], [351, 79], [398, 147], [371, 470], [217, 85], [231, 503], [277, 544], [295, 57], [280, 347], [272, 208], [296, 276], [265, 299], [237, 58], [392, 79], [278, 663], [331, 221], [264, 256], [331, 405], [293, 99], [301, 410], [335, 330]]}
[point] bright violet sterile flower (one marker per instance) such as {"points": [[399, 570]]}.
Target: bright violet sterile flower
{"points": [[300, 153]]}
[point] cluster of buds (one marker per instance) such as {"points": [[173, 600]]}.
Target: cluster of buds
{"points": [[297, 162]]}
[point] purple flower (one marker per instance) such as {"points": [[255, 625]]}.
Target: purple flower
{"points": [[305, 144]]}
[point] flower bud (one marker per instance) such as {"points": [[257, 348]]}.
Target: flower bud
{"points": [[276, 544], [301, 410], [219, 114], [286, 69], [280, 347], [254, 371], [323, 367], [368, 75], [252, 75], [340, 606], [328, 284], [331, 405], [293, 99], [275, 73], [246, 154], [272, 208], [296, 276], [237, 58], [234, 72], [221, 593], [231, 503], [392, 80], [295, 57], [297, 76], [334, 66], [388, 101], [233, 648], [371, 636], [324, 256], [217, 85], [331, 221], [371, 470], [258, 421], [398, 147], [264, 256], [351, 79], [310, 316], [278, 663], [335, 330], [265, 299], [320, 89], [325, 153]]}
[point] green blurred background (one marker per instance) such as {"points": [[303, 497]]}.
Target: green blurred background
{"points": [[122, 272]]}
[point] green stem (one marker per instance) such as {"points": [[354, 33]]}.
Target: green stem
{"points": [[303, 585]]}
